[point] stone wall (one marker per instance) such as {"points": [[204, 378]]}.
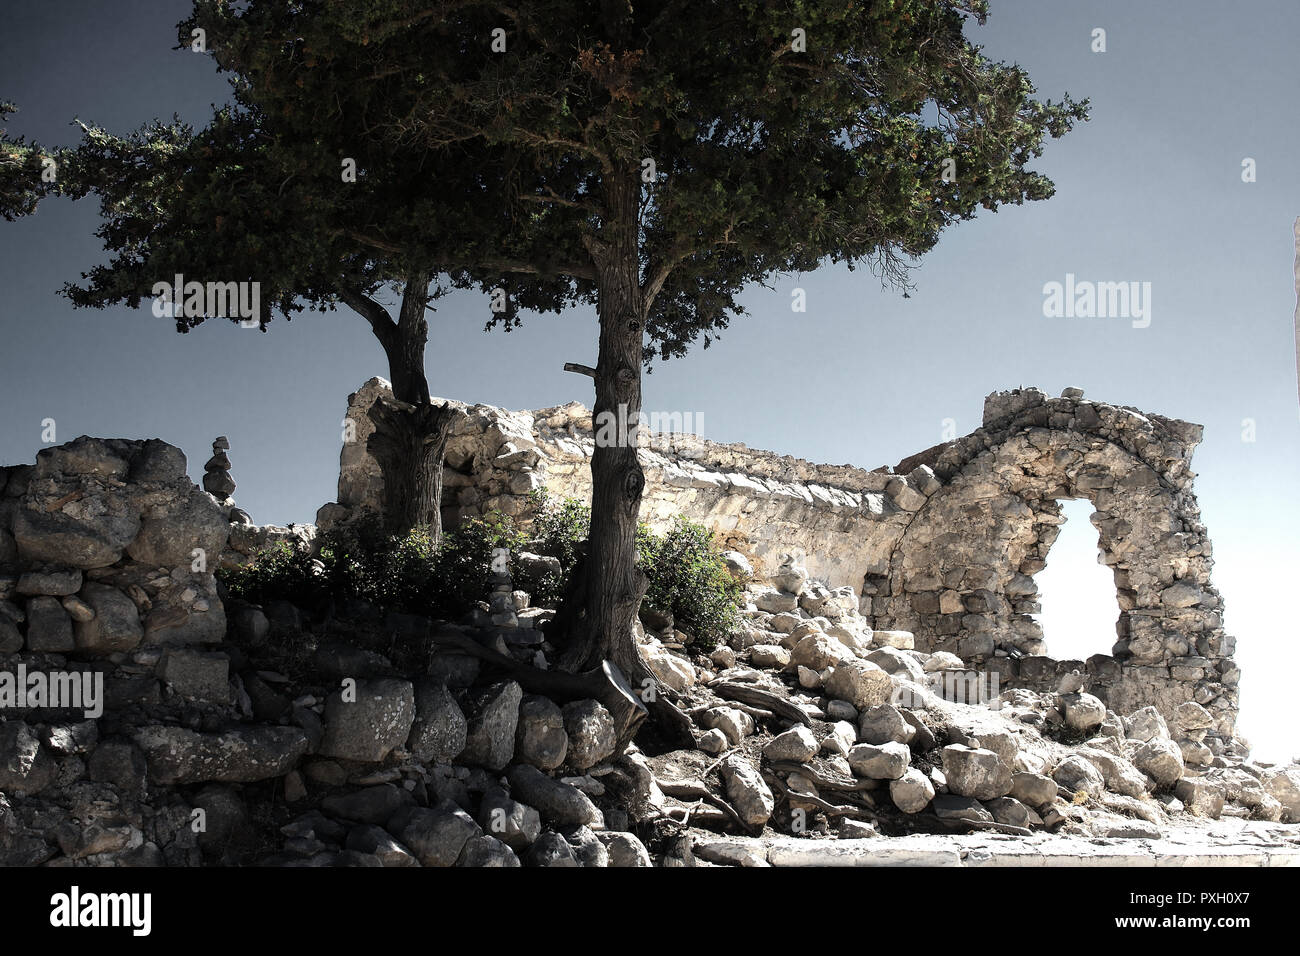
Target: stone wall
{"points": [[106, 553], [944, 545]]}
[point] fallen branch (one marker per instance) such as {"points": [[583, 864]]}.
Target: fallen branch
{"points": [[791, 795], [822, 778], [695, 790], [758, 713], [991, 825], [757, 697]]}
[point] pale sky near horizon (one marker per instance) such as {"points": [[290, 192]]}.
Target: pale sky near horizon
{"points": [[1150, 190]]}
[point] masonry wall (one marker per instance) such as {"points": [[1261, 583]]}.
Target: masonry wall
{"points": [[945, 545]]}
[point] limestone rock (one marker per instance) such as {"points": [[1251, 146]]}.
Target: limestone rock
{"points": [[438, 836], [1082, 712], [1161, 760], [769, 655], [953, 807], [888, 761], [1201, 796], [1119, 775], [624, 849], [513, 823], [551, 849], [242, 755], [899, 640], [493, 719], [367, 728], [775, 602], [439, 731], [1009, 811], [1033, 789], [1146, 724], [591, 733], [172, 530], [49, 628], [861, 683], [54, 583], [486, 851], [558, 803], [883, 724], [1283, 785], [817, 652], [116, 623], [747, 791], [378, 842], [735, 724], [1077, 773], [796, 744], [976, 773], [675, 672], [912, 792]]}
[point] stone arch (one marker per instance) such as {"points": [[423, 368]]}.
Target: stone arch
{"points": [[961, 573]]}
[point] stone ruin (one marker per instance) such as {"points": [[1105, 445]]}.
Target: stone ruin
{"points": [[823, 720], [944, 545]]}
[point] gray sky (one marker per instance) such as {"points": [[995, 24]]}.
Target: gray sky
{"points": [[1150, 190]]}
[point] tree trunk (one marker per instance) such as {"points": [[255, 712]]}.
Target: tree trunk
{"points": [[410, 436], [605, 600], [613, 585], [409, 442]]}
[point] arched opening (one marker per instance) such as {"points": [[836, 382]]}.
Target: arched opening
{"points": [[1076, 592]]}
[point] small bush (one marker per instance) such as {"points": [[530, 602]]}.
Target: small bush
{"points": [[281, 572], [407, 574], [461, 571], [559, 530], [689, 579]]}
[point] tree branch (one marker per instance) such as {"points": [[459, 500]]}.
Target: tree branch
{"points": [[580, 369], [380, 321]]}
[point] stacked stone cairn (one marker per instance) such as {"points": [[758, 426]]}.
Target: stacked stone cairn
{"points": [[216, 473]]}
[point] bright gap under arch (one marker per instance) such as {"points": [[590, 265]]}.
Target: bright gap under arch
{"points": [[1076, 591]]}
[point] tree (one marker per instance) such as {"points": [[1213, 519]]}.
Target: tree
{"points": [[653, 158], [24, 175], [671, 154], [282, 206]]}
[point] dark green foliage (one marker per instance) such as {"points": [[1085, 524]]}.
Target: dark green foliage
{"points": [[559, 530], [281, 572], [21, 168], [689, 578], [407, 573], [461, 570]]}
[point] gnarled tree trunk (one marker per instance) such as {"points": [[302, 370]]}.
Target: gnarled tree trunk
{"points": [[604, 602], [409, 442], [410, 436]]}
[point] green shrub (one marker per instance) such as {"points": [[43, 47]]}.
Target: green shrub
{"points": [[690, 580], [281, 572], [688, 577], [406, 574], [463, 567], [559, 530]]}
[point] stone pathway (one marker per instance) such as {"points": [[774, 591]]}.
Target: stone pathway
{"points": [[1208, 843]]}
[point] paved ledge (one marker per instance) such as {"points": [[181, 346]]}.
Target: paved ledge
{"points": [[1213, 843]]}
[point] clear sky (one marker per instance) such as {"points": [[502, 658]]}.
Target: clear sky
{"points": [[1150, 190]]}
